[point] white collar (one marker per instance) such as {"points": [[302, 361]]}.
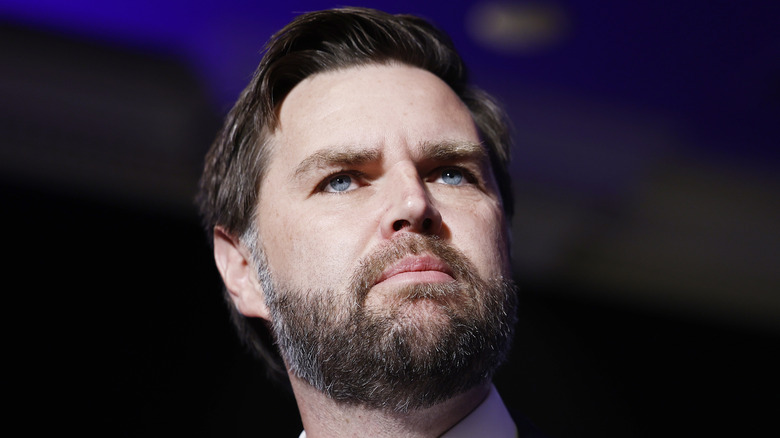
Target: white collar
{"points": [[490, 418], [491, 415]]}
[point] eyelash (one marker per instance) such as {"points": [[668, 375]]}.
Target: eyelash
{"points": [[468, 176], [354, 174]]}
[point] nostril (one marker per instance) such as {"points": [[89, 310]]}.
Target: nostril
{"points": [[399, 224]]}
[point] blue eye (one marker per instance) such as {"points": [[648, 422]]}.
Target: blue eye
{"points": [[452, 177], [339, 183]]}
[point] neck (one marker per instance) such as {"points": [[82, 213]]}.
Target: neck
{"points": [[323, 417]]}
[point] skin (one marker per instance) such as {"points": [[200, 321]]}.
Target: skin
{"points": [[386, 127]]}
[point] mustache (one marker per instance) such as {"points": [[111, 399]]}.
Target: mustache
{"points": [[371, 267]]}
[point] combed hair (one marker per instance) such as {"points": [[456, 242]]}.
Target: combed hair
{"points": [[312, 43]]}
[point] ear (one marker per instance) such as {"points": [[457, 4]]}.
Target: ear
{"points": [[239, 275]]}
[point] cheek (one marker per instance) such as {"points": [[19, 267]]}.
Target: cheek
{"points": [[315, 248], [481, 234]]}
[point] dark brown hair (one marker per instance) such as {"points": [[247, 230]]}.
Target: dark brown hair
{"points": [[313, 43]]}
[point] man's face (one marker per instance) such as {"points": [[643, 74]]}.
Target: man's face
{"points": [[379, 213]]}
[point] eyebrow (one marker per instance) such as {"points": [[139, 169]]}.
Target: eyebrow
{"points": [[453, 151], [432, 150], [326, 158]]}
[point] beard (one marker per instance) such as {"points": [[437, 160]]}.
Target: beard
{"points": [[394, 356]]}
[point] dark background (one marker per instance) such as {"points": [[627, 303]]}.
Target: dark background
{"points": [[645, 240]]}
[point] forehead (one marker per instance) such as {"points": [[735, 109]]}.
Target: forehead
{"points": [[372, 106]]}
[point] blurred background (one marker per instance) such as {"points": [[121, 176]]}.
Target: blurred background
{"points": [[645, 241]]}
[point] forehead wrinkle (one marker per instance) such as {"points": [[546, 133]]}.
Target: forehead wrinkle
{"points": [[332, 157]]}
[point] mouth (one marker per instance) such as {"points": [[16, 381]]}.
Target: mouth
{"points": [[415, 270]]}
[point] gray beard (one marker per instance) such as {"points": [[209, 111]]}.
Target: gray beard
{"points": [[381, 358]]}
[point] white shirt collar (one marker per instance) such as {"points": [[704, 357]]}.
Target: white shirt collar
{"points": [[491, 418], [491, 415]]}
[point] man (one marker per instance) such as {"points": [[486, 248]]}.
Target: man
{"points": [[358, 197]]}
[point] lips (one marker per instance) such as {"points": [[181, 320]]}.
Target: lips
{"points": [[417, 269]]}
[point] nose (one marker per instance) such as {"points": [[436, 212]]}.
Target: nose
{"points": [[409, 205]]}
